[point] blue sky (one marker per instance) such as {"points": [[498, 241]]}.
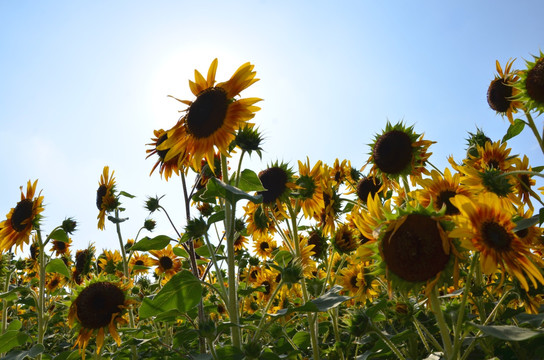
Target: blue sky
{"points": [[84, 84]]}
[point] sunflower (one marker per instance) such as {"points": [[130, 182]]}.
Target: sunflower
{"points": [[309, 192], [266, 279], [139, 263], [368, 185], [259, 220], [524, 182], [531, 84], [264, 246], [316, 238], [340, 171], [21, 219], [83, 264], [166, 261], [106, 200], [501, 93], [110, 262], [492, 155], [98, 306], [166, 168], [240, 242], [61, 248], [439, 189], [486, 226], [278, 180], [54, 281], [213, 117], [332, 204], [357, 282], [398, 152], [345, 240]]}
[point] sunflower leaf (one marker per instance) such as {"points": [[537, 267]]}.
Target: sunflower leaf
{"points": [[218, 216], [11, 339], [325, 302], [59, 235], [527, 223], [182, 292], [20, 354], [124, 193], [156, 243], [57, 266], [249, 181], [116, 220], [514, 129], [507, 332], [217, 188]]}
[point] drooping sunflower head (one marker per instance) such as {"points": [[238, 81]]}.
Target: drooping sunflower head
{"points": [[398, 152], [21, 219], [531, 84], [278, 180], [368, 185], [501, 92], [213, 117], [97, 307], [83, 263], [345, 240], [166, 168], [106, 199], [318, 240], [475, 140]]}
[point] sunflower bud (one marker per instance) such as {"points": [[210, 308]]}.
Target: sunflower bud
{"points": [[252, 350], [69, 225], [152, 204], [150, 224]]}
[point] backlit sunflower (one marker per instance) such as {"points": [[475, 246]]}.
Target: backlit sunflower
{"points": [[166, 261], [330, 213], [309, 192], [240, 242], [259, 220], [278, 180], [439, 189], [111, 262], [398, 152], [21, 219], [531, 84], [84, 260], [61, 248], [492, 155], [501, 92], [486, 226], [263, 246], [368, 185], [345, 240], [98, 307], [106, 200], [139, 263], [524, 182], [267, 279], [339, 171], [166, 168], [213, 117]]}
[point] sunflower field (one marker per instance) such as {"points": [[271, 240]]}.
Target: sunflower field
{"points": [[397, 259]]}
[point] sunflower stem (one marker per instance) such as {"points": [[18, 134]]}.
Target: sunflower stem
{"points": [[298, 254], [265, 311], [388, 342], [532, 125], [441, 322], [231, 266], [217, 269], [41, 291]]}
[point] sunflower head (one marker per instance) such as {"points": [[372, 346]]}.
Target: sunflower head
{"points": [[531, 84], [345, 240], [398, 152], [319, 242], [106, 199], [97, 307], [475, 140], [166, 168], [249, 139], [277, 179], [501, 92], [368, 185]]}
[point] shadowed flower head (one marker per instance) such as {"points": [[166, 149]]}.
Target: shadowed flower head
{"points": [[501, 92]]}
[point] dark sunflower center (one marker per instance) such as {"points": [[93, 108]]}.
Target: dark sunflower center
{"points": [[34, 251], [264, 245], [414, 251], [353, 281], [317, 241], [498, 95], [207, 113], [162, 153], [100, 193], [253, 274], [97, 303], [22, 212], [495, 236], [393, 152], [60, 245], [444, 198], [53, 284], [367, 186], [274, 180], [345, 242], [138, 262], [82, 261], [535, 82], [166, 263]]}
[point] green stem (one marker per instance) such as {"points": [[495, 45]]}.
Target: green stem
{"points": [[298, 253], [231, 265], [532, 125], [217, 269], [441, 322], [265, 311], [388, 342], [5, 303], [421, 328], [41, 291]]}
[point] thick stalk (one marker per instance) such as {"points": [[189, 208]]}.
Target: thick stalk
{"points": [[298, 253], [41, 291], [388, 342], [5, 303], [532, 125], [231, 266], [441, 322]]}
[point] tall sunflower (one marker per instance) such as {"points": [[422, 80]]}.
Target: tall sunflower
{"points": [[501, 92], [21, 219], [213, 117], [531, 84], [106, 200], [98, 306], [486, 226], [278, 180]]}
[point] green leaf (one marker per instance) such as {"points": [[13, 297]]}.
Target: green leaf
{"points": [[60, 235], [57, 266], [11, 339], [534, 320], [537, 168], [182, 292], [116, 220], [514, 129], [229, 353], [203, 251], [541, 216], [249, 181], [327, 301], [283, 257], [181, 252], [508, 332], [301, 339], [12, 294], [527, 223], [156, 243], [124, 193], [20, 355], [218, 216], [15, 325], [217, 188]]}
